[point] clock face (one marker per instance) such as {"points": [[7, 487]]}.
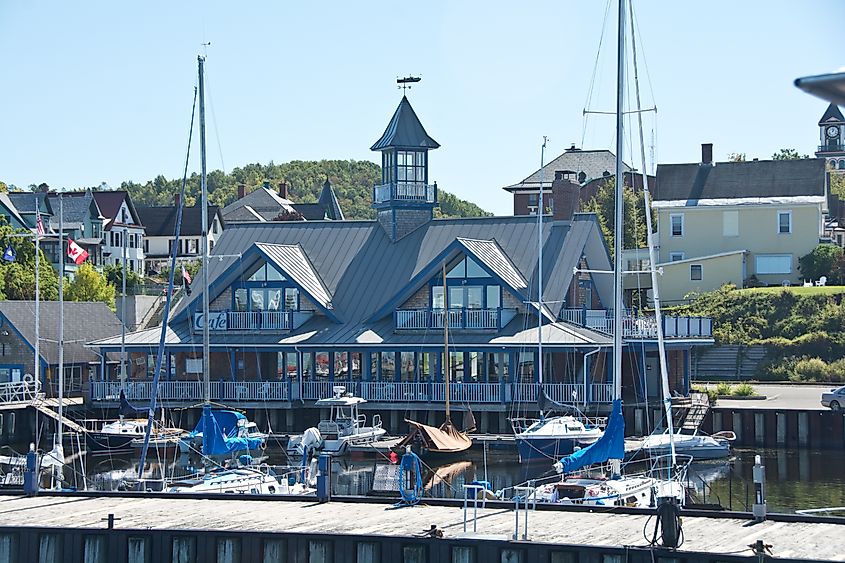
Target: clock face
{"points": [[832, 131]]}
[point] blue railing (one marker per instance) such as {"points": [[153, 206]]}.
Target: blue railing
{"points": [[466, 319]]}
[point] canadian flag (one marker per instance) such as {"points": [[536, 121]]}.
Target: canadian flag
{"points": [[76, 252]]}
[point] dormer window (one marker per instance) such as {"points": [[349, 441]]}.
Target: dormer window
{"points": [[265, 289], [470, 287]]}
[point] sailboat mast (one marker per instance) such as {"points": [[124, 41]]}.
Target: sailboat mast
{"points": [[652, 258], [123, 311], [540, 209], [618, 230], [618, 223], [62, 257], [36, 373], [204, 203], [446, 360]]}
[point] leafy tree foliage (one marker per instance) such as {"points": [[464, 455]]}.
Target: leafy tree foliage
{"points": [[822, 261], [90, 285], [114, 275], [736, 157], [352, 181], [788, 154], [603, 204], [17, 279]]}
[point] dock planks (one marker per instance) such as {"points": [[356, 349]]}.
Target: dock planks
{"points": [[805, 540]]}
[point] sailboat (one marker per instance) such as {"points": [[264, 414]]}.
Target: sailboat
{"points": [[445, 440], [665, 477], [225, 433], [549, 437]]}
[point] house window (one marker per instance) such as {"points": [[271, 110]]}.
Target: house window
{"points": [[784, 222], [193, 245], [411, 166], [730, 223], [773, 264], [214, 226], [470, 287], [146, 246], [695, 272], [677, 224], [265, 289], [676, 256]]}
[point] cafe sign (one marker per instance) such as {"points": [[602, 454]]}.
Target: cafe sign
{"points": [[217, 320]]}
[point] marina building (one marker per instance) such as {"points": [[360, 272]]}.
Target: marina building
{"points": [[297, 307]]}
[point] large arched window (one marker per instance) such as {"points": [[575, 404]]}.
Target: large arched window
{"points": [[264, 288], [469, 285]]}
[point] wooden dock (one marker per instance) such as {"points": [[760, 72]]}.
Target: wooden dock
{"points": [[229, 517]]}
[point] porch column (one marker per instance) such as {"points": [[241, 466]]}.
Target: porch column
{"points": [[485, 369], [643, 375], [437, 376], [397, 366], [686, 352], [331, 365], [366, 365], [417, 367], [233, 365]]}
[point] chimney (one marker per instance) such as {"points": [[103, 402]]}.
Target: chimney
{"points": [[706, 153], [267, 184], [283, 190], [177, 199], [241, 191], [566, 194]]}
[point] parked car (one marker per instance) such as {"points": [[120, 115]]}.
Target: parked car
{"points": [[835, 398]]}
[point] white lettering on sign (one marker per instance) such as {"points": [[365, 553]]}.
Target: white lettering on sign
{"points": [[217, 320]]}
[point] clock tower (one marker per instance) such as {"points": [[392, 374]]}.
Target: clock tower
{"points": [[832, 144]]}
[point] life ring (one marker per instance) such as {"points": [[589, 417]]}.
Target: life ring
{"points": [[28, 378], [263, 445]]}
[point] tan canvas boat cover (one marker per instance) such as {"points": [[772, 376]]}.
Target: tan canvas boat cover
{"points": [[446, 439]]}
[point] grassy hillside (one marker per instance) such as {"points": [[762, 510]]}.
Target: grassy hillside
{"points": [[802, 327], [352, 180]]}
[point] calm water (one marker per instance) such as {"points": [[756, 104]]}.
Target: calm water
{"points": [[795, 479]]}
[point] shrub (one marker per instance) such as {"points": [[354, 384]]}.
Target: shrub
{"points": [[711, 393], [723, 389], [742, 390], [810, 369]]}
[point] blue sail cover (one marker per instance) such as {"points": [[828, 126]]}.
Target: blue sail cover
{"points": [[220, 433], [611, 445]]}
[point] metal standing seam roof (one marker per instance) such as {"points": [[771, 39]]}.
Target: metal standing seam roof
{"points": [[593, 163], [831, 115], [489, 252], [291, 260], [361, 270], [405, 131]]}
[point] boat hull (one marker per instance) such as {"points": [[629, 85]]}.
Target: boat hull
{"points": [[104, 442], [539, 449]]}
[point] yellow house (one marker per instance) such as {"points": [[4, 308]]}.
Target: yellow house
{"points": [[736, 222]]}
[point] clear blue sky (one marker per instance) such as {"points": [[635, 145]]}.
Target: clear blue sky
{"points": [[101, 91]]}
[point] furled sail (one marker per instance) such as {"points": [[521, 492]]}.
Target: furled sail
{"points": [[610, 446]]}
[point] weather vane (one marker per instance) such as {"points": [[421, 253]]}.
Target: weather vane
{"points": [[406, 82]]}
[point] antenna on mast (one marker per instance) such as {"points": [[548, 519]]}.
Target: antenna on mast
{"points": [[407, 82]]}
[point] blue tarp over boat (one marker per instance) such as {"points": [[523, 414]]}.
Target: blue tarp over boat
{"points": [[610, 446], [220, 429]]}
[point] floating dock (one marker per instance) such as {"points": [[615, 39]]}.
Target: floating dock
{"points": [[256, 529]]}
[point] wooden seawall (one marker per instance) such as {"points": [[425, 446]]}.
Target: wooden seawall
{"points": [[251, 529]]}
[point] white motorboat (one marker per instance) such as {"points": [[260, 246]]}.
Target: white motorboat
{"points": [[698, 446], [125, 433], [241, 480], [345, 427]]}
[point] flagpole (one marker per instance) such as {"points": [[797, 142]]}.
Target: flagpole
{"points": [[123, 311], [36, 374]]}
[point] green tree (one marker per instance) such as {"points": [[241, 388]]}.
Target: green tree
{"points": [[90, 285], [736, 157], [603, 205], [114, 275], [820, 262], [352, 180], [17, 279], [788, 154]]}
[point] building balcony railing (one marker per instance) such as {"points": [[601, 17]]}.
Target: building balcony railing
{"points": [[192, 391], [251, 320], [373, 391], [459, 319], [832, 147], [640, 326], [405, 191]]}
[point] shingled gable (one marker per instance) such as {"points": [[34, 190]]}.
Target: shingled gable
{"points": [[290, 259], [487, 253]]}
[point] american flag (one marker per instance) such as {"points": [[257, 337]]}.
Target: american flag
{"points": [[39, 226]]}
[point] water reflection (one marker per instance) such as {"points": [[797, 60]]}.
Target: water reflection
{"points": [[796, 479]]}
